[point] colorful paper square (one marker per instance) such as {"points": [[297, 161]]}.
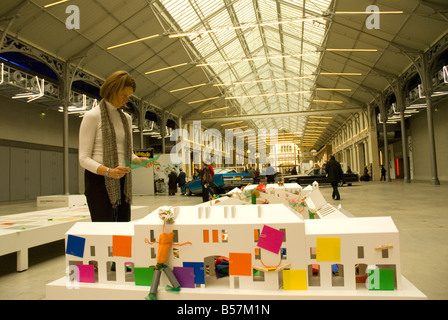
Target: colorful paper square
{"points": [[199, 271], [75, 246], [295, 280], [271, 239], [328, 249], [122, 246], [86, 273], [381, 280], [240, 264], [185, 276], [143, 276]]}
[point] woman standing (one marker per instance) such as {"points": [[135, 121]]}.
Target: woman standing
{"points": [[105, 146]]}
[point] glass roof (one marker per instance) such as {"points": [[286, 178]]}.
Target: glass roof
{"points": [[261, 50]]}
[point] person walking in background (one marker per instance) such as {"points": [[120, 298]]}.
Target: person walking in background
{"points": [[334, 171], [206, 180], [181, 180], [210, 168], [383, 173], [105, 151], [172, 183], [270, 174]]}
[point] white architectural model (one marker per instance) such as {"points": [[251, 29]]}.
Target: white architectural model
{"points": [[254, 247]]}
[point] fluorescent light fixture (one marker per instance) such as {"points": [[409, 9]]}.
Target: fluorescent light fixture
{"points": [[203, 100], [320, 117], [340, 74], [328, 101], [231, 123], [2, 75], [239, 128], [312, 134], [369, 12], [268, 95], [214, 110], [351, 50], [33, 96], [187, 88], [318, 122], [167, 68], [418, 106], [328, 89], [55, 3], [132, 42]]}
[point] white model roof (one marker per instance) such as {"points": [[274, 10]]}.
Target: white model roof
{"points": [[102, 228], [350, 226], [222, 215]]}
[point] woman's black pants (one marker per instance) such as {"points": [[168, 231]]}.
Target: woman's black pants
{"points": [[98, 201]]}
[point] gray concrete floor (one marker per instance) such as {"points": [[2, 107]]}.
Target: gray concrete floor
{"points": [[419, 210]]}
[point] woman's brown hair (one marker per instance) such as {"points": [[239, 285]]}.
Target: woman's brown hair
{"points": [[114, 83]]}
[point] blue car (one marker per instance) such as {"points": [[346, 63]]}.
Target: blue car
{"points": [[224, 179]]}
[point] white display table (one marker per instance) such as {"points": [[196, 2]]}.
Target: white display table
{"points": [[60, 201], [19, 232]]}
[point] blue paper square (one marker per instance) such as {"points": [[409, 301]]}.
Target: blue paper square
{"points": [[75, 246], [199, 271]]}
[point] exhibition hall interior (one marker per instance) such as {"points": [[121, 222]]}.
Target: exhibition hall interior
{"points": [[281, 149]]}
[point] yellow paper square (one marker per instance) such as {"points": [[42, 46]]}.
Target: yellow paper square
{"points": [[328, 249], [295, 280]]}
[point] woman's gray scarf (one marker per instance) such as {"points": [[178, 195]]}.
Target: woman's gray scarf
{"points": [[110, 156]]}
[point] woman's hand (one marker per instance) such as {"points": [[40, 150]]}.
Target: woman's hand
{"points": [[143, 159], [118, 172]]}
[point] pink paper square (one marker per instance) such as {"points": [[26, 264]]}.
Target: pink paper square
{"points": [[86, 273], [271, 239]]}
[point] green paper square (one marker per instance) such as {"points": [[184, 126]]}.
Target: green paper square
{"points": [[381, 280], [143, 276], [311, 215]]}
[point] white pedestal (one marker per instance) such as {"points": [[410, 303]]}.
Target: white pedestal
{"points": [[58, 290], [143, 182], [60, 201]]}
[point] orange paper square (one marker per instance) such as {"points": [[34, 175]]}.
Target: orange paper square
{"points": [[240, 264], [122, 246]]}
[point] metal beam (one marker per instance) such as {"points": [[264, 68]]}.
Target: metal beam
{"points": [[276, 115]]}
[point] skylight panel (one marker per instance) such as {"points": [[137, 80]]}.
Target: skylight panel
{"points": [[291, 9], [317, 6], [245, 12], [207, 7], [253, 40], [183, 14]]}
